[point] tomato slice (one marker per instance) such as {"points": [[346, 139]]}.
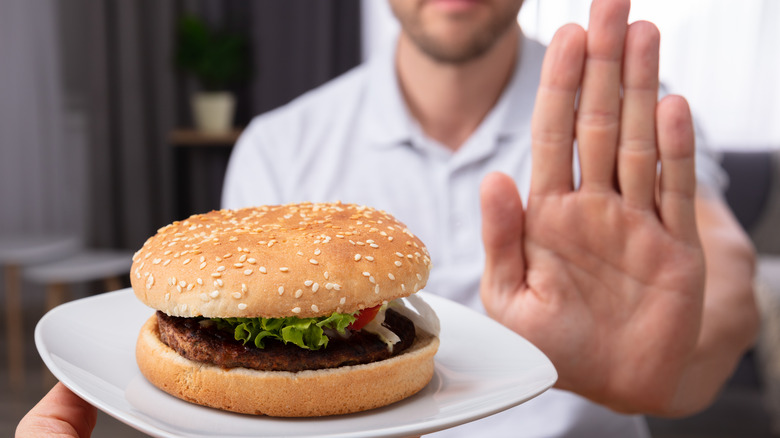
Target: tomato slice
{"points": [[364, 317]]}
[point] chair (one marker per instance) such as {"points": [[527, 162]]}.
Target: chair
{"points": [[17, 252]]}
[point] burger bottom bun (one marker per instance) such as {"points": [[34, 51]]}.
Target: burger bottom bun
{"points": [[311, 393]]}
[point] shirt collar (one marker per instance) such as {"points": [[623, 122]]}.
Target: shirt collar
{"points": [[388, 121]]}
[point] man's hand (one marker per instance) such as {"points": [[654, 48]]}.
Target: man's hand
{"points": [[607, 279], [60, 413]]}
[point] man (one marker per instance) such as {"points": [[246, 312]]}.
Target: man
{"points": [[635, 283]]}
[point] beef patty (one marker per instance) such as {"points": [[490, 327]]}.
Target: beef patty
{"points": [[207, 344]]}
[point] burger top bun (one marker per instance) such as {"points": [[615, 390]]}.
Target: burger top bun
{"points": [[299, 260]]}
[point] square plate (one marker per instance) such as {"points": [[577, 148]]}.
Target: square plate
{"points": [[89, 345]]}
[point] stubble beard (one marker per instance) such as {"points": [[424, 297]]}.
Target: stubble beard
{"points": [[479, 42]]}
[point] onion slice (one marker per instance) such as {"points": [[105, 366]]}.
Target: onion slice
{"points": [[421, 314]]}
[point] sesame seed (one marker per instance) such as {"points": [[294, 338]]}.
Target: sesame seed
{"points": [[156, 261], [315, 287], [298, 293], [150, 281], [369, 258], [357, 257], [397, 263], [399, 254], [284, 269], [325, 274], [315, 308], [336, 286], [204, 297], [317, 251], [262, 269], [300, 253], [202, 259], [183, 283], [244, 288], [219, 282], [183, 307], [251, 260], [296, 310], [199, 281], [185, 262], [216, 274], [343, 300], [281, 290], [403, 287], [233, 239], [220, 268], [312, 261], [236, 295], [219, 259], [214, 294], [248, 272], [238, 265], [167, 296], [376, 289], [328, 286], [391, 276], [308, 283], [202, 265], [241, 306], [242, 259], [371, 279], [390, 238], [419, 277]]}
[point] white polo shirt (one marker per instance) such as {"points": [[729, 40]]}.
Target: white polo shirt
{"points": [[354, 140]]}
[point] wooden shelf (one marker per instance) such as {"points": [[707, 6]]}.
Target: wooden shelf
{"points": [[185, 137]]}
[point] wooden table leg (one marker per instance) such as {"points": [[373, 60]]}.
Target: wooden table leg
{"points": [[112, 283], [14, 325], [56, 294]]}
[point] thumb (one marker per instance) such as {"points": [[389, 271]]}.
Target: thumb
{"points": [[502, 234]]}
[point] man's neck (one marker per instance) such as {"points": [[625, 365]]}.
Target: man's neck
{"points": [[450, 101]]}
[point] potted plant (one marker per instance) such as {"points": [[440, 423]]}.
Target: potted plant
{"points": [[218, 60]]}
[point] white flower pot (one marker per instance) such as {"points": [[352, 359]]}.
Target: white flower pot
{"points": [[213, 111]]}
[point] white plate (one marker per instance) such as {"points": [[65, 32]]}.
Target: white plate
{"points": [[482, 368]]}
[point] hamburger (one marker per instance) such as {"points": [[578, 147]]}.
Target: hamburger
{"points": [[293, 310]]}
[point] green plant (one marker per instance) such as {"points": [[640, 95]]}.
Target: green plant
{"points": [[216, 59]]}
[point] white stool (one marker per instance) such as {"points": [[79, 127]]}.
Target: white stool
{"points": [[17, 252], [86, 265]]}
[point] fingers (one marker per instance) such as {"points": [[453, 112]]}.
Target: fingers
{"points": [[598, 117], [678, 174], [637, 157], [552, 125], [59, 413], [502, 232]]}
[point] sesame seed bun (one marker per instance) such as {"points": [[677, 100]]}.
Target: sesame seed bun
{"points": [[285, 394], [300, 260]]}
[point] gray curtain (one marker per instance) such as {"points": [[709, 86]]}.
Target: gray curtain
{"points": [[122, 63], [40, 169]]}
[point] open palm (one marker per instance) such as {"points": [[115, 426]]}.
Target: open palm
{"points": [[608, 278]]}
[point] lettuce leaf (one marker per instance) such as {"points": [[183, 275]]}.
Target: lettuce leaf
{"points": [[306, 333]]}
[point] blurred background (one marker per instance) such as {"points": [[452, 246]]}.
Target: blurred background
{"points": [[117, 118]]}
